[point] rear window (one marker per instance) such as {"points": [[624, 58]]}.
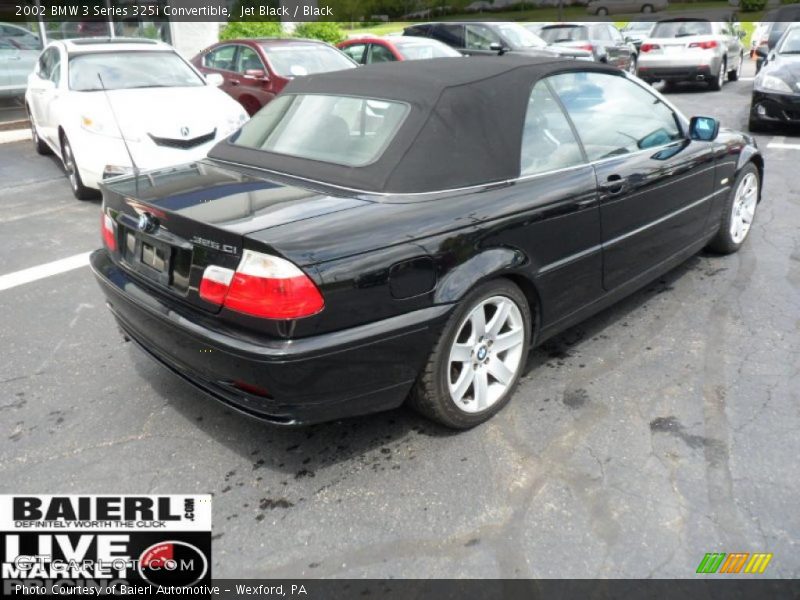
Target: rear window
{"points": [[557, 35], [676, 29], [343, 130], [298, 60], [427, 49]]}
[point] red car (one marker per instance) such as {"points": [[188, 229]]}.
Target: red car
{"points": [[367, 50], [256, 70]]}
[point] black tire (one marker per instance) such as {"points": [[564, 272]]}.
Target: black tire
{"points": [[724, 242], [38, 143], [602, 12], [431, 396], [734, 75], [647, 8], [715, 84], [80, 191], [632, 65]]}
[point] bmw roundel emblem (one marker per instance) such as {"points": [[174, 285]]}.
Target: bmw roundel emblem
{"points": [[147, 223]]}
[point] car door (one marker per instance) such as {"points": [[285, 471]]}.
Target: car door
{"points": [[51, 98], [479, 39], [8, 52], [451, 34], [36, 80], [655, 185], [222, 60], [253, 84], [562, 227]]}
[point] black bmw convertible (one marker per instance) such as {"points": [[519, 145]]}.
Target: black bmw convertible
{"points": [[408, 231]]}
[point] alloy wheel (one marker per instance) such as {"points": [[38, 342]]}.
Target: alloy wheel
{"points": [[485, 355], [744, 207]]}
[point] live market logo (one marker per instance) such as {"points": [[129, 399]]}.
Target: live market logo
{"points": [[111, 544]]}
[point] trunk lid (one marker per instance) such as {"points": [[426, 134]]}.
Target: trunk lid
{"points": [[171, 224]]}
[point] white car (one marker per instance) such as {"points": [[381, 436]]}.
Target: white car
{"points": [[85, 95]]}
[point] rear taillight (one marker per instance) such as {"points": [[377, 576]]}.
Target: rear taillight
{"points": [[649, 47], [215, 283], [262, 286], [587, 47], [707, 45], [109, 230]]}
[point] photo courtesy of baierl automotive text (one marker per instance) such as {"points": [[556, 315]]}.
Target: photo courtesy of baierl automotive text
{"points": [[335, 299]]}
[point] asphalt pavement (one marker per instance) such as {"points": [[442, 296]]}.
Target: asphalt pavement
{"points": [[659, 430]]}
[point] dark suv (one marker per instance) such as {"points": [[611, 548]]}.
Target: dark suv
{"points": [[479, 39]]}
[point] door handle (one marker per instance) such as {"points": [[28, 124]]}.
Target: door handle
{"points": [[234, 82], [614, 184], [15, 58]]}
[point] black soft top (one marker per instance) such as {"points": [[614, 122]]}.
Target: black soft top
{"points": [[464, 127]]}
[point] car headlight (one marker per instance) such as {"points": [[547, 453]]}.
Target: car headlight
{"points": [[773, 84], [233, 122], [106, 128]]}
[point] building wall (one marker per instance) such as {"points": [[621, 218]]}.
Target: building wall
{"points": [[190, 38]]}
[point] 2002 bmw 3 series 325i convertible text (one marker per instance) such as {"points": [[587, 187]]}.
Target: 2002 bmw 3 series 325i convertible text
{"points": [[410, 230]]}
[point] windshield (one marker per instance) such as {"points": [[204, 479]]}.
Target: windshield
{"points": [[519, 36], [427, 49], [567, 33], [129, 70], [676, 29], [343, 130], [791, 42], [296, 60]]}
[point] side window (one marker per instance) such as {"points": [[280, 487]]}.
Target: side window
{"points": [[379, 54], [548, 142], [616, 36], [45, 64], [55, 72], [480, 37], [221, 58], [356, 52], [613, 115], [452, 35], [248, 60]]}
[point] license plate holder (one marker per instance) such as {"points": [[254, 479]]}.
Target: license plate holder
{"points": [[149, 257]]}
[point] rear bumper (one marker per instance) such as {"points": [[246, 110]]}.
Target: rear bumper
{"points": [[663, 73], [775, 108], [289, 382]]}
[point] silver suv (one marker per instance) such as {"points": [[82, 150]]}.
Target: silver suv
{"points": [[692, 50]]}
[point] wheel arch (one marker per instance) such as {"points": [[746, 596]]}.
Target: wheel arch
{"points": [[748, 156], [491, 264]]}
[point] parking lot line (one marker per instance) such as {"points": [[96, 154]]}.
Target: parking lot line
{"points": [[14, 135], [16, 278], [783, 146]]}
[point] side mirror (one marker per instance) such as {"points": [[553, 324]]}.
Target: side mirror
{"points": [[498, 47], [215, 79], [255, 74], [761, 52], [703, 129]]}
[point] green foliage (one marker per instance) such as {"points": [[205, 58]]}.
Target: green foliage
{"points": [[752, 5], [251, 30], [326, 31]]}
